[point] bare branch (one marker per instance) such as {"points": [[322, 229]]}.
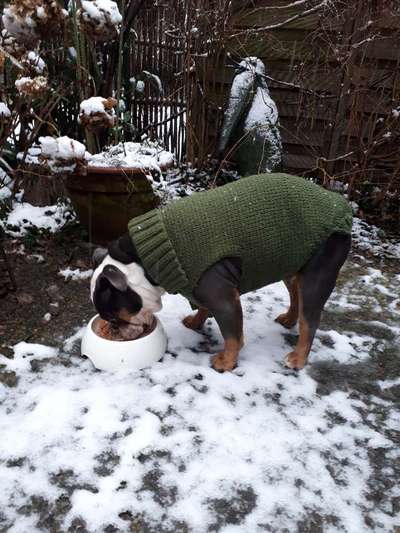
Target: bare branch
{"points": [[305, 13], [287, 6]]}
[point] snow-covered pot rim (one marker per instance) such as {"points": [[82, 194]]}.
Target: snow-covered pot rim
{"points": [[92, 169], [111, 180]]}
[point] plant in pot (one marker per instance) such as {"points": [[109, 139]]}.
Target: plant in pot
{"points": [[120, 182], [68, 128]]}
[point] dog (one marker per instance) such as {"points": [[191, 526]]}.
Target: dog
{"points": [[216, 245]]}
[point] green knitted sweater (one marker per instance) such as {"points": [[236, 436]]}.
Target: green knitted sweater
{"points": [[273, 222]]}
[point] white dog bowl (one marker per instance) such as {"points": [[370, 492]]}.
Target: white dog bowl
{"points": [[124, 355]]}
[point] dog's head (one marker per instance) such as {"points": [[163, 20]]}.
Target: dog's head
{"points": [[120, 289]]}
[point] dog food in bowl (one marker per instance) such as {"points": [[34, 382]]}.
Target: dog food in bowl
{"points": [[111, 354], [129, 332]]}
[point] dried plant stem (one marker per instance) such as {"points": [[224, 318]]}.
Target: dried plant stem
{"points": [[11, 58], [79, 41], [119, 73]]}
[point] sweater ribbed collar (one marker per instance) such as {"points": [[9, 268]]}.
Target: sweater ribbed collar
{"points": [[156, 252]]}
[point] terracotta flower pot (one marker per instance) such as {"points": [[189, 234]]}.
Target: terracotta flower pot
{"points": [[108, 197]]}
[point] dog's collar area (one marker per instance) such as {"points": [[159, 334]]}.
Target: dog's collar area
{"points": [[156, 252]]}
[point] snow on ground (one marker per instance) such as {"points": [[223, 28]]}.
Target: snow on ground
{"points": [[179, 447], [370, 238], [75, 274], [24, 217]]}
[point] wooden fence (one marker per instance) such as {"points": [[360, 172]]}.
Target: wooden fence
{"points": [[158, 48], [334, 74]]}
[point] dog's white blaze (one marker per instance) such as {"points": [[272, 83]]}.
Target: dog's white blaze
{"points": [[137, 281]]}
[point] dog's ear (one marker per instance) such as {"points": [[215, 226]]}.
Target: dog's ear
{"points": [[115, 277], [123, 250], [98, 256]]}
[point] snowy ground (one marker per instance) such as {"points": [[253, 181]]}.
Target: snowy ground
{"points": [[179, 447]]}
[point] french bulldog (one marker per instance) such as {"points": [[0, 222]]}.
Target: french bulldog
{"points": [[122, 289]]}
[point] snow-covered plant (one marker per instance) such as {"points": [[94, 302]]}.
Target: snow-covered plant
{"points": [[140, 86], [98, 113], [250, 127], [32, 156], [5, 113], [55, 155], [33, 63], [5, 186], [19, 24], [138, 83], [100, 19], [62, 154], [11, 45], [28, 20], [52, 67], [33, 87], [154, 80]]}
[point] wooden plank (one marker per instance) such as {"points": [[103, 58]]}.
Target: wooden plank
{"points": [[372, 104], [263, 16], [348, 143], [298, 162], [295, 50], [389, 22], [318, 77], [306, 138], [318, 81], [322, 80], [387, 49], [238, 5], [304, 114], [373, 76]]}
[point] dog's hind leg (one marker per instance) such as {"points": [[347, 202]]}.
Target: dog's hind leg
{"points": [[317, 280], [289, 319]]}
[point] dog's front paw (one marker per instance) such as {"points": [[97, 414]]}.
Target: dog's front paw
{"points": [[286, 320], [193, 322], [295, 361], [224, 362]]}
